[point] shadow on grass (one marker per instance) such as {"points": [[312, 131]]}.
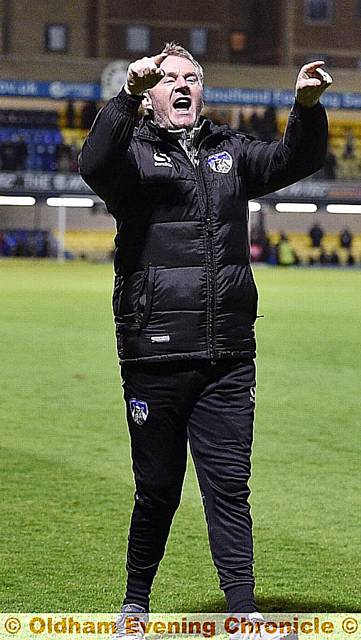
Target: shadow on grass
{"points": [[290, 605]]}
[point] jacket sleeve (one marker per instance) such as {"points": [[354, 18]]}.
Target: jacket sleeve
{"points": [[268, 166], [106, 162]]}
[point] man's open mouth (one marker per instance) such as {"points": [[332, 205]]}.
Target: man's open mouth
{"points": [[182, 104]]}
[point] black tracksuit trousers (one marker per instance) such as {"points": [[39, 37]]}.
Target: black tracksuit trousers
{"points": [[212, 406]]}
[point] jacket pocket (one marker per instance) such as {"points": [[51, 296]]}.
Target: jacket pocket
{"points": [[146, 296]]}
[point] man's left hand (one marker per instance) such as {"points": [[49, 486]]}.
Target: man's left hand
{"points": [[311, 82]]}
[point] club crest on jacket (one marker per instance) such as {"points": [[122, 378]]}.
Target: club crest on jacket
{"points": [[220, 162], [139, 410]]}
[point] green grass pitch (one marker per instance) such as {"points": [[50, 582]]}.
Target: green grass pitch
{"points": [[65, 466]]}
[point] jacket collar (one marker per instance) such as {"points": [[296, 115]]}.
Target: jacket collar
{"points": [[205, 128]]}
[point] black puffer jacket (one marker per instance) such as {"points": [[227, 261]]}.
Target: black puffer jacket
{"points": [[183, 285]]}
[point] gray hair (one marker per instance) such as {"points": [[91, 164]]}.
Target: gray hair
{"points": [[175, 49]]}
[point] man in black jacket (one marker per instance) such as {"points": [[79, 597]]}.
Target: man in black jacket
{"points": [[185, 301]]}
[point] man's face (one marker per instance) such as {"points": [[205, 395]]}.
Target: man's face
{"points": [[177, 99]]}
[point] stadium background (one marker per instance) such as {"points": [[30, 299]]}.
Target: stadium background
{"points": [[66, 466]]}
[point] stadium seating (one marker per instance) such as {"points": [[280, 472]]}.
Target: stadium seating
{"points": [[98, 245], [41, 146], [93, 245], [48, 147], [45, 131], [347, 168], [74, 137], [301, 244]]}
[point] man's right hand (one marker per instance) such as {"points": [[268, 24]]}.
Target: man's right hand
{"points": [[144, 74]]}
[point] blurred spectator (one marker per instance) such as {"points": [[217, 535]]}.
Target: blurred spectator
{"points": [[272, 255], [21, 150], [324, 257], [88, 113], [286, 256], [330, 166], [316, 235], [329, 169], [242, 124], [346, 238], [25, 243], [350, 259], [8, 156], [64, 158], [260, 244], [256, 252], [20, 250], [349, 150], [74, 152], [329, 258], [269, 127], [255, 124], [70, 115]]}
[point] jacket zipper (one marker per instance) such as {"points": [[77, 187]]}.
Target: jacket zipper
{"points": [[210, 259], [210, 264]]}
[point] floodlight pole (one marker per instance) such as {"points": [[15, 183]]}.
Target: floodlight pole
{"points": [[61, 233]]}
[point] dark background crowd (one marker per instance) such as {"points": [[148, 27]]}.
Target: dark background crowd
{"points": [[282, 252], [36, 141], [50, 141]]}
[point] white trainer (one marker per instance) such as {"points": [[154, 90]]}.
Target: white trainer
{"points": [[253, 626], [131, 623]]}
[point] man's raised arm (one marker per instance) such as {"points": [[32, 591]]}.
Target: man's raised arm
{"points": [[105, 162], [267, 167]]}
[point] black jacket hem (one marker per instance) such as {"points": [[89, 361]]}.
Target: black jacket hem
{"points": [[194, 355]]}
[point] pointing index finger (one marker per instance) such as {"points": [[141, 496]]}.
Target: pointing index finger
{"points": [[311, 66]]}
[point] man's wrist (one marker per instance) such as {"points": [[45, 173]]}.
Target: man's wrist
{"points": [[302, 105], [131, 93], [306, 113], [127, 102]]}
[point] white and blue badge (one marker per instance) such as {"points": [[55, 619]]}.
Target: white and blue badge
{"points": [[220, 162], [139, 410]]}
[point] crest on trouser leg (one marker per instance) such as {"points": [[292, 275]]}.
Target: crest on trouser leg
{"points": [[139, 410]]}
